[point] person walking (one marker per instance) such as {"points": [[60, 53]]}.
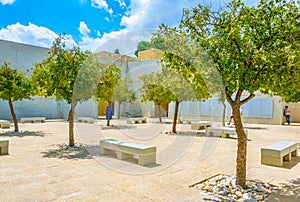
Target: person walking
{"points": [[287, 114]]}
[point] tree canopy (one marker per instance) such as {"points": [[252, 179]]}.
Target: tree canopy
{"points": [[123, 93], [107, 83], [14, 86], [252, 48], [56, 76]]}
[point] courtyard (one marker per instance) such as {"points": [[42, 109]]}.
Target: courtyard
{"points": [[41, 167]]}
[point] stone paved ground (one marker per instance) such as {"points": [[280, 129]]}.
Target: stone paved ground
{"points": [[39, 168]]}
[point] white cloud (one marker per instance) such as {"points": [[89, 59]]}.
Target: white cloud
{"points": [[125, 41], [33, 35], [122, 3], [140, 20], [151, 13], [101, 4], [110, 11], [83, 29], [7, 2]]}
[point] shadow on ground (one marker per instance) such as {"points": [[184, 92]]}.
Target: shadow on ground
{"points": [[290, 164], [188, 133], [117, 127], [23, 134], [287, 192], [63, 151]]}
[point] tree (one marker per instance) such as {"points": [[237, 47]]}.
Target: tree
{"points": [[251, 47], [176, 81], [122, 93], [56, 76], [153, 89], [187, 64], [117, 51], [142, 45], [13, 86], [107, 83]]}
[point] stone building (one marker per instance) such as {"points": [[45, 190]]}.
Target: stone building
{"points": [[261, 109]]}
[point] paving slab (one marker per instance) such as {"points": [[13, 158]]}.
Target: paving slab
{"points": [[39, 168]]}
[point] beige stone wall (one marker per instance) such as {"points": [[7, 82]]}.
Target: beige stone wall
{"points": [[151, 54], [277, 116], [295, 111]]}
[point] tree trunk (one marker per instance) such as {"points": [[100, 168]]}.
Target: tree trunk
{"points": [[224, 113], [119, 110], [159, 112], [224, 107], [241, 148], [108, 113], [12, 111], [175, 116], [71, 123]]}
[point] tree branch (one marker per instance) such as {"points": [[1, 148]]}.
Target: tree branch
{"points": [[252, 95], [228, 98], [238, 95]]}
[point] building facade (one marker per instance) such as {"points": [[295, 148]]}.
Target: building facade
{"points": [[261, 109]]}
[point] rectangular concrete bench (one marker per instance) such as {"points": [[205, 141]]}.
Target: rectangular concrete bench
{"points": [[124, 150], [276, 153], [222, 132], [33, 120], [188, 121], [85, 119], [4, 124], [3, 146], [200, 125], [136, 120]]}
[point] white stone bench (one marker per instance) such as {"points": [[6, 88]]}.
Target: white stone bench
{"points": [[136, 120], [4, 124], [124, 150], [33, 120], [188, 121], [85, 119], [222, 132], [200, 125], [276, 153], [4, 146]]}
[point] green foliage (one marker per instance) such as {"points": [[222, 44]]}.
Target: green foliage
{"points": [[153, 89], [142, 45], [183, 79], [156, 42], [88, 77], [56, 75], [13, 84], [108, 81], [251, 46], [122, 92], [117, 51], [254, 49]]}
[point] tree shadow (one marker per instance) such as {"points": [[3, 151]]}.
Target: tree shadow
{"points": [[188, 133], [118, 127], [63, 151], [255, 127], [287, 192], [23, 134]]}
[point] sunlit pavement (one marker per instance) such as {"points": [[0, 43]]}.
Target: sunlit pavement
{"points": [[39, 167]]}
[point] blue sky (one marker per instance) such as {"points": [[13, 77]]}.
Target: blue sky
{"points": [[89, 24]]}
